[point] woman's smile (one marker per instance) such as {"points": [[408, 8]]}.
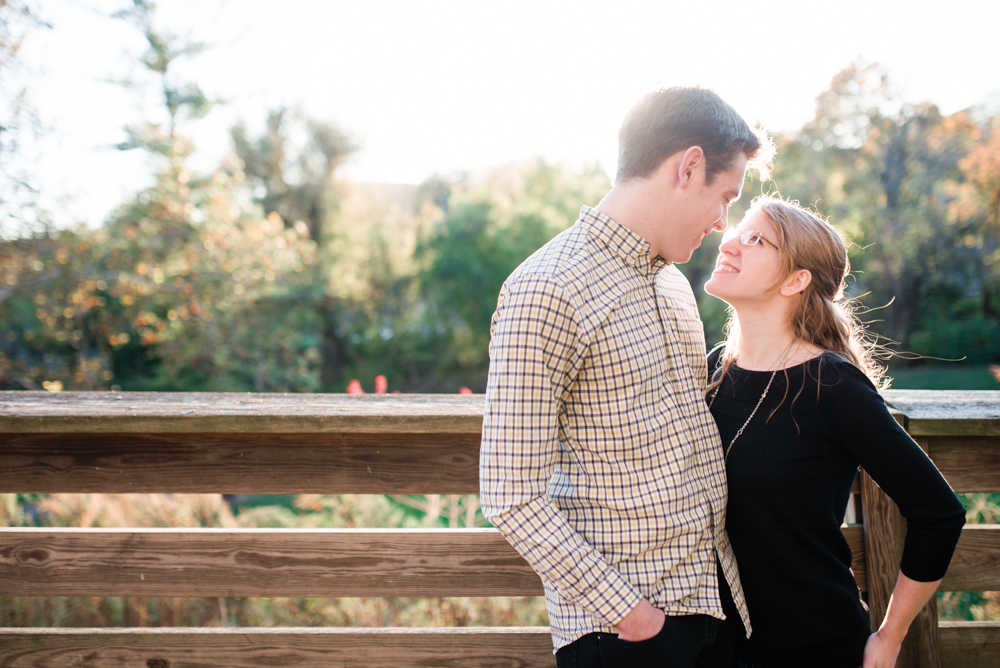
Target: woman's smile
{"points": [[724, 267]]}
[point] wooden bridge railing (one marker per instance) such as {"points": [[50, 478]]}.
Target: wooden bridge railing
{"points": [[289, 444]]}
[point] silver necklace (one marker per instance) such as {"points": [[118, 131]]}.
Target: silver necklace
{"points": [[781, 361]]}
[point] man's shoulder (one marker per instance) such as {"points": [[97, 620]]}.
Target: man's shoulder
{"points": [[675, 286], [565, 262], [567, 249]]}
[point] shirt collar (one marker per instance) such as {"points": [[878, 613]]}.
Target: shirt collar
{"points": [[631, 248]]}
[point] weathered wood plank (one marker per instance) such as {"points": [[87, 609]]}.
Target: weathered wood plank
{"points": [[275, 562], [976, 564], [948, 412], [855, 535], [483, 647], [970, 644], [390, 463], [884, 531], [262, 562], [969, 463], [928, 412], [221, 412]]}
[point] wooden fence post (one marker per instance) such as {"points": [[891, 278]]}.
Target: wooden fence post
{"points": [[885, 531]]}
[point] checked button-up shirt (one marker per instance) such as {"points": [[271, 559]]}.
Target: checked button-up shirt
{"points": [[600, 461]]}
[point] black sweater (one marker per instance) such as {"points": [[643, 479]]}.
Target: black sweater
{"points": [[790, 477]]}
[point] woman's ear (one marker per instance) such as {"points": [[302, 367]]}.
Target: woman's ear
{"points": [[796, 282]]}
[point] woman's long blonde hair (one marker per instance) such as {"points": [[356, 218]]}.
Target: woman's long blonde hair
{"points": [[823, 317]]}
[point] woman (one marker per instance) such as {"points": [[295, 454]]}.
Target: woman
{"points": [[793, 391]]}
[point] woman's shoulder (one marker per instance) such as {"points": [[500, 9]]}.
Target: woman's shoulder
{"points": [[841, 386], [833, 368]]}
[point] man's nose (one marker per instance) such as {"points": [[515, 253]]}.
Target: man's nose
{"points": [[723, 222]]}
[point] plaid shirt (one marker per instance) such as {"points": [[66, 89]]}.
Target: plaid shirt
{"points": [[600, 461]]}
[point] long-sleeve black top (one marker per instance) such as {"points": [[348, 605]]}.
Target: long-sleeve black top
{"points": [[789, 476]]}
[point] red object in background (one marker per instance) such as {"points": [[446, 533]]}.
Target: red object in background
{"points": [[464, 390], [354, 387], [995, 370], [381, 384]]}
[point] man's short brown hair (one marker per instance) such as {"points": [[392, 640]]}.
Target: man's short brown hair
{"points": [[668, 120]]}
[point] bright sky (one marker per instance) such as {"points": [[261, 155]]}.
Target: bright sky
{"points": [[444, 86]]}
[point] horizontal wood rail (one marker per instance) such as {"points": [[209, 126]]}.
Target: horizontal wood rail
{"points": [[276, 562], [233, 413], [466, 647], [947, 412], [262, 562], [342, 463], [970, 644], [287, 444], [970, 463], [976, 564]]}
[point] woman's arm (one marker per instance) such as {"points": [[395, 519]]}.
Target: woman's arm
{"points": [[857, 418], [908, 597]]}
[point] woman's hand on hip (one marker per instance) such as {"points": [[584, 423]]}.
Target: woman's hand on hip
{"points": [[881, 651]]}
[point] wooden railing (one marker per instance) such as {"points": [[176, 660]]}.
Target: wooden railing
{"points": [[290, 444]]}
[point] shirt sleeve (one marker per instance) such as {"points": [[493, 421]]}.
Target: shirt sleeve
{"points": [[535, 350], [856, 416]]}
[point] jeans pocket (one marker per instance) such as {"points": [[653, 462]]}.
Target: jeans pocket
{"points": [[616, 652]]}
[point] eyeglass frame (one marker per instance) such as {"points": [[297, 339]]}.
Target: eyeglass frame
{"points": [[745, 237]]}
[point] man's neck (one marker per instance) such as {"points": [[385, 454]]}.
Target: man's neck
{"points": [[629, 206]]}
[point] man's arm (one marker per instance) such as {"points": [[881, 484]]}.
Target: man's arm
{"points": [[535, 352]]}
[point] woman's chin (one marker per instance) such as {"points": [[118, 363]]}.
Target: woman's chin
{"points": [[713, 288]]}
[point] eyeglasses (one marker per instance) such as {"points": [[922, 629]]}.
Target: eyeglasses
{"points": [[747, 238]]}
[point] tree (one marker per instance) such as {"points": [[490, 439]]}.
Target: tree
{"points": [[484, 231], [298, 184], [19, 125], [173, 293], [898, 179]]}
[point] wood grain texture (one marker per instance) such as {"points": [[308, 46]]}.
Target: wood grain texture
{"points": [[976, 564], [885, 531], [922, 646], [391, 463], [928, 412], [948, 412], [855, 535], [262, 562], [970, 644], [276, 562], [525, 647], [221, 412], [969, 463]]}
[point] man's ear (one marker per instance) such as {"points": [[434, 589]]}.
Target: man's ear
{"points": [[796, 282], [692, 160]]}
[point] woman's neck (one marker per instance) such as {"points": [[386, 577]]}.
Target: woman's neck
{"points": [[768, 343]]}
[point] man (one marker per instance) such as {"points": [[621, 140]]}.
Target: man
{"points": [[600, 462]]}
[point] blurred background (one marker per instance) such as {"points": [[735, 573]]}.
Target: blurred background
{"points": [[282, 198], [304, 196]]}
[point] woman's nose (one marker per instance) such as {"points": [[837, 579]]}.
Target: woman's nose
{"points": [[729, 246]]}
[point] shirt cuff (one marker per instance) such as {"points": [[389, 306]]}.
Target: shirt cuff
{"points": [[613, 599]]}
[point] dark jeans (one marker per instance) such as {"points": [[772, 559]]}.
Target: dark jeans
{"points": [[690, 641]]}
